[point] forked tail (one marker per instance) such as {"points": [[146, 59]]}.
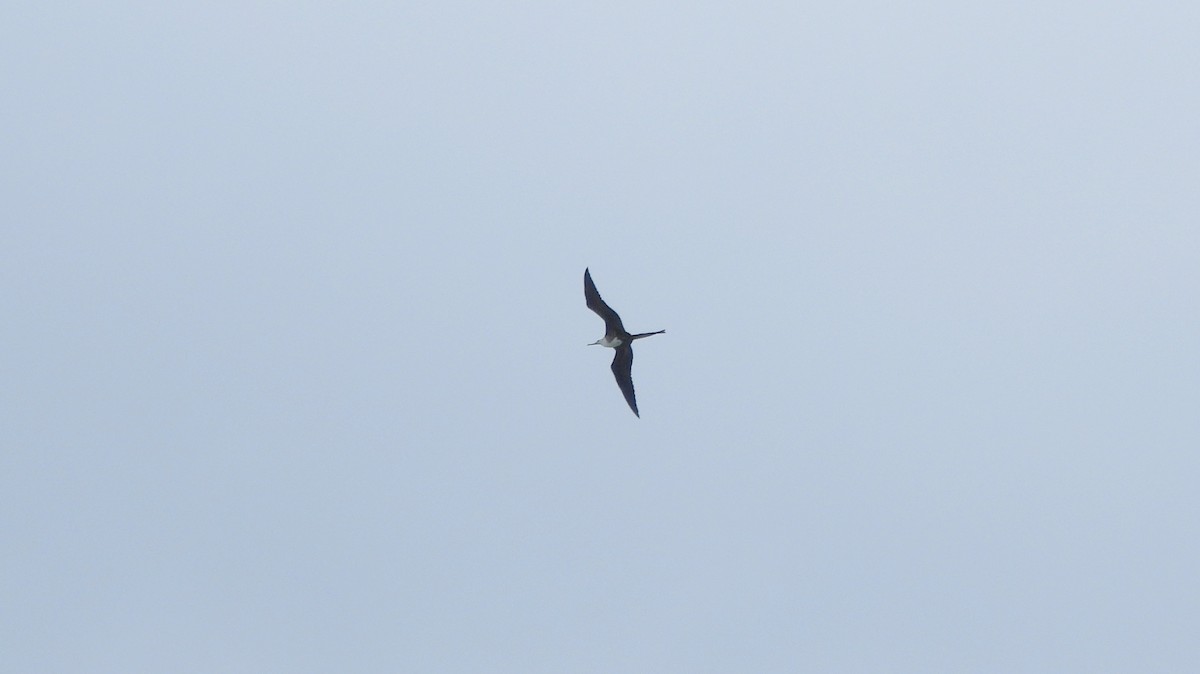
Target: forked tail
{"points": [[645, 334]]}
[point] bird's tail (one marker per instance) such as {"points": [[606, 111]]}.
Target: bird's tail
{"points": [[645, 334]]}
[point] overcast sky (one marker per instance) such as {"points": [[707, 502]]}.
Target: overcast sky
{"points": [[293, 374]]}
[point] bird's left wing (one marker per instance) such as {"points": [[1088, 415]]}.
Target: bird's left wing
{"points": [[596, 304]]}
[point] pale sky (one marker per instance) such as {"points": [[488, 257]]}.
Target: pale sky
{"points": [[293, 362]]}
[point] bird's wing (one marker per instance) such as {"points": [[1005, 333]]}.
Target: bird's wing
{"points": [[622, 367], [611, 319]]}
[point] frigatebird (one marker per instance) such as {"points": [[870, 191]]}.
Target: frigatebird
{"points": [[615, 337]]}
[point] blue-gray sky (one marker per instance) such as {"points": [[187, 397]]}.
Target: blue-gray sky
{"points": [[293, 364]]}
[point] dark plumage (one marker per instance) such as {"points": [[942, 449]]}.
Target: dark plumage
{"points": [[615, 337]]}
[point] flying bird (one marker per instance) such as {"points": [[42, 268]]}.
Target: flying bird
{"points": [[615, 337]]}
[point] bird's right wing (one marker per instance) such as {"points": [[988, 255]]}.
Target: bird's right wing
{"points": [[622, 368]]}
